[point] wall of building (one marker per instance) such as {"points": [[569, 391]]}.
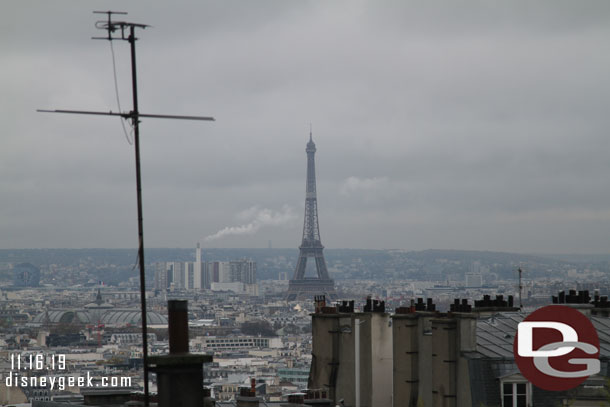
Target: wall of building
{"points": [[444, 391], [346, 367], [428, 364], [380, 351], [412, 359], [198, 280], [325, 353], [334, 357], [467, 342]]}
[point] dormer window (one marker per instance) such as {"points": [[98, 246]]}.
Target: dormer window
{"points": [[516, 394]]}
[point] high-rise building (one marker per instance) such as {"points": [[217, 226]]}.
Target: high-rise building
{"points": [[224, 272], [177, 271], [184, 276], [249, 272], [171, 274], [237, 275], [206, 278], [189, 275], [243, 271], [214, 272], [161, 276]]}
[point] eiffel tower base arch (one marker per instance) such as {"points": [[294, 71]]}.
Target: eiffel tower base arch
{"points": [[308, 288]]}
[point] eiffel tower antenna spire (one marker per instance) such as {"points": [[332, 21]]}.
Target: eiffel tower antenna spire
{"points": [[301, 287]]}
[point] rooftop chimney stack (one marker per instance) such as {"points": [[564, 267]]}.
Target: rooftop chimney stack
{"points": [[179, 374], [178, 326], [247, 396], [320, 302]]}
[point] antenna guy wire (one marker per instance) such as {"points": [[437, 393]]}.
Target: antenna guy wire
{"points": [[116, 92]]}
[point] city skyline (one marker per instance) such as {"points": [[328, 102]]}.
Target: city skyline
{"points": [[475, 127]]}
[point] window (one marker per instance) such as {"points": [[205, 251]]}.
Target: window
{"points": [[515, 394]]}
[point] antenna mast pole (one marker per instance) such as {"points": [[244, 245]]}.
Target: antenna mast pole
{"points": [[134, 115], [520, 289], [136, 141]]}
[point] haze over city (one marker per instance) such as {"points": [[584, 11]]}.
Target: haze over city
{"points": [[461, 126]]}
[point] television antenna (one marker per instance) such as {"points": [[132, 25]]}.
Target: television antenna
{"points": [[520, 290], [125, 31]]}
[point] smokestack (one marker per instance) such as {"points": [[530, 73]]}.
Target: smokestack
{"points": [[197, 280]]}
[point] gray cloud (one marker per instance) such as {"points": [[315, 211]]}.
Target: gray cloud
{"points": [[483, 124]]}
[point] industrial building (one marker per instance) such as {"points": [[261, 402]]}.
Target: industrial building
{"points": [[236, 275]]}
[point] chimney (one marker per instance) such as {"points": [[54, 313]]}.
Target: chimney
{"points": [[208, 401], [327, 333], [579, 300], [318, 398], [342, 340], [374, 305], [295, 400], [444, 362], [320, 302], [247, 396], [178, 326], [405, 343], [487, 307], [179, 374], [601, 305], [412, 353]]}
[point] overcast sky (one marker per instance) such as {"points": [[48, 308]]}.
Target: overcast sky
{"points": [[479, 125]]}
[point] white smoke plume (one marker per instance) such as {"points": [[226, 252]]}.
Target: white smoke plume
{"points": [[255, 219]]}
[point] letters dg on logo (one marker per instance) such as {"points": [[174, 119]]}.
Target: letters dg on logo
{"points": [[556, 348]]}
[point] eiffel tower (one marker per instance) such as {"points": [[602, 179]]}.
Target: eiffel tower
{"points": [[301, 287]]}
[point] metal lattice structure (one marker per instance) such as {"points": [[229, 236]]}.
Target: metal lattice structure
{"points": [[302, 287]]}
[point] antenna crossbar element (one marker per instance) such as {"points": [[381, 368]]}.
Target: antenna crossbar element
{"points": [[171, 116], [110, 113], [112, 26], [129, 115], [109, 12]]}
